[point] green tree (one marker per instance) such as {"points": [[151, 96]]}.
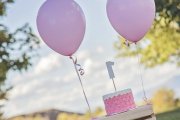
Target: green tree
{"points": [[16, 50], [18, 118], [177, 101], [163, 40], [38, 117], [164, 100], [62, 116], [98, 112]]}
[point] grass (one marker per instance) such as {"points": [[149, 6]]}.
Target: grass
{"points": [[173, 115]]}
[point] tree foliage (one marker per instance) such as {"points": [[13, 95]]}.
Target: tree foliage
{"points": [[162, 42], [98, 112], [164, 100], [62, 116], [16, 49]]}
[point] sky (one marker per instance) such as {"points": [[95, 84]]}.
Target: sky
{"points": [[52, 81]]}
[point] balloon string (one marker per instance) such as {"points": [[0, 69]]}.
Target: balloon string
{"points": [[127, 43], [141, 77], [80, 72]]}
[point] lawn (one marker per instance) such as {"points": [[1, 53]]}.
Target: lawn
{"points": [[173, 115]]}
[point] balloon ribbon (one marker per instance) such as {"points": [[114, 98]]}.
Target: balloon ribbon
{"points": [[141, 77], [80, 72], [127, 43]]}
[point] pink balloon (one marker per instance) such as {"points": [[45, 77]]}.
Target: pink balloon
{"points": [[131, 18], [61, 25]]}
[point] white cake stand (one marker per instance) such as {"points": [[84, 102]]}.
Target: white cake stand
{"points": [[140, 113]]}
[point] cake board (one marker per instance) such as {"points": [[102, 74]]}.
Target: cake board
{"points": [[140, 113]]}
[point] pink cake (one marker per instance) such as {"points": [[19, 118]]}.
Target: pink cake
{"points": [[118, 102]]}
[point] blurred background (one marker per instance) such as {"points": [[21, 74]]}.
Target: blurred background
{"points": [[38, 84]]}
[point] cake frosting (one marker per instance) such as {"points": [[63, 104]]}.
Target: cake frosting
{"points": [[119, 101]]}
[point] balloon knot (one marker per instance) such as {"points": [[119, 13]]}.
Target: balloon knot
{"points": [[79, 67]]}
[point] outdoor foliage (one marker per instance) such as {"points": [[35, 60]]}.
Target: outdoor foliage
{"points": [[162, 42], [164, 100], [62, 116], [16, 50], [96, 113]]}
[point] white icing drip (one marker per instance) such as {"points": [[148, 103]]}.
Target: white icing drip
{"points": [[111, 95]]}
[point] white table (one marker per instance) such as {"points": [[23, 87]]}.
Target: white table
{"points": [[140, 113]]}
